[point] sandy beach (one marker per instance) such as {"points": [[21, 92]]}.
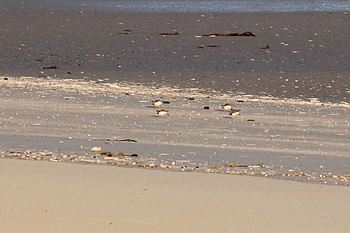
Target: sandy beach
{"points": [[196, 168], [60, 197], [49, 119], [82, 147]]}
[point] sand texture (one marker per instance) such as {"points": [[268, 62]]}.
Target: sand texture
{"points": [[83, 149], [62, 120], [51, 197]]}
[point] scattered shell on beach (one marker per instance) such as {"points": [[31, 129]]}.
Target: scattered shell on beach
{"points": [[165, 163], [117, 154], [127, 160], [46, 154], [95, 149]]}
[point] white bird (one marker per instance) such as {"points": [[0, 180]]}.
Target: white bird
{"points": [[226, 106], [157, 103], [162, 113], [234, 112]]}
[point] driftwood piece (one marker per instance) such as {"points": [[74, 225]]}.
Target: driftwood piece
{"points": [[116, 140], [169, 33], [231, 34], [49, 67], [126, 32]]}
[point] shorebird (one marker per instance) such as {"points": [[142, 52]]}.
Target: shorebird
{"points": [[157, 103], [226, 106], [162, 113], [234, 112]]}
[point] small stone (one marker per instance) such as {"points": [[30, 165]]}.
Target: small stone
{"points": [[120, 154], [95, 149], [233, 165], [107, 153], [152, 165]]}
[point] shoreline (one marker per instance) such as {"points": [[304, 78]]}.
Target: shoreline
{"points": [[95, 75], [61, 120], [177, 6]]}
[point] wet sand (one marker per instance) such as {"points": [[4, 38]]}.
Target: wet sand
{"points": [[61, 120], [293, 55]]}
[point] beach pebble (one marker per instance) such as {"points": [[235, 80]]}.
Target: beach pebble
{"points": [[120, 154], [95, 149], [107, 153], [45, 154]]}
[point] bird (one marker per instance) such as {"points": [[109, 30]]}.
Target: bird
{"points": [[157, 103], [162, 112], [234, 112], [226, 106]]}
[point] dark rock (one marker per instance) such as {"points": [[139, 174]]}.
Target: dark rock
{"points": [[49, 67], [106, 153], [231, 34], [169, 33]]}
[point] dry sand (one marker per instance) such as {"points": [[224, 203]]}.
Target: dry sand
{"points": [[48, 119], [51, 197]]}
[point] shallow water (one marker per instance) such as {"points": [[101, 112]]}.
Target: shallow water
{"points": [[219, 6], [184, 6]]}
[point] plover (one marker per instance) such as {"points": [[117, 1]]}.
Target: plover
{"points": [[157, 103], [162, 113], [226, 106], [234, 112]]}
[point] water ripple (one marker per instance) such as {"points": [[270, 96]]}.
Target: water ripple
{"points": [[217, 6]]}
